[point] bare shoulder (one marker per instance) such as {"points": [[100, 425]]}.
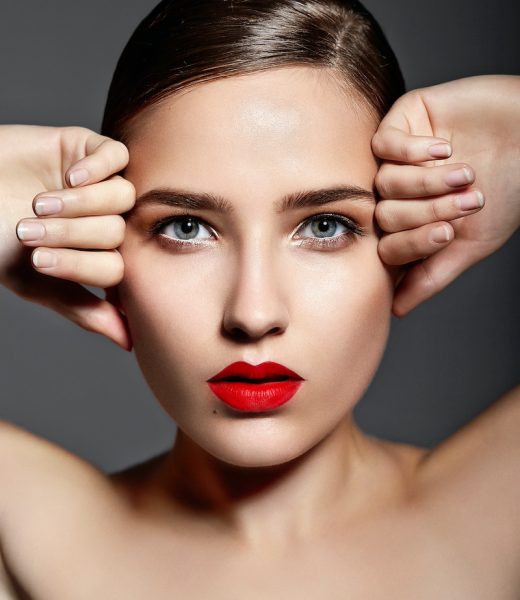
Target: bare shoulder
{"points": [[470, 483], [50, 499], [29, 463]]}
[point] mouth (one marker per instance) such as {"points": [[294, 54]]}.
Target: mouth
{"points": [[255, 388], [251, 380], [240, 371]]}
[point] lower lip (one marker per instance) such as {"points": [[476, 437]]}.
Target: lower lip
{"points": [[255, 397]]}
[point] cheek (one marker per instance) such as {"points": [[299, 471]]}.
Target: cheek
{"points": [[172, 307], [339, 312], [347, 313], [164, 304]]}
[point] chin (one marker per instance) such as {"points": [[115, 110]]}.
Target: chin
{"points": [[261, 442], [254, 458]]}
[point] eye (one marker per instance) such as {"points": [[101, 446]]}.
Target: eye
{"points": [[328, 231], [184, 230]]}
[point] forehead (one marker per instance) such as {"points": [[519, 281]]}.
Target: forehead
{"points": [[270, 129]]}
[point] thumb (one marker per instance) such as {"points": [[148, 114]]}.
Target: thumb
{"points": [[394, 140], [430, 276], [85, 309], [391, 143], [91, 157]]}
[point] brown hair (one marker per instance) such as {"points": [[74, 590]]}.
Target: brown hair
{"points": [[182, 43]]}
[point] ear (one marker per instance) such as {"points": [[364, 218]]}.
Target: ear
{"points": [[123, 333]]}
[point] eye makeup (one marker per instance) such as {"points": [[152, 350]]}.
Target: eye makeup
{"points": [[351, 231], [330, 243]]}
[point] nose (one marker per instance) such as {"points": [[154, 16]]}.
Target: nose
{"points": [[255, 306]]}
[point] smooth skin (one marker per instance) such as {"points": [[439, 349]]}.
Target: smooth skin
{"points": [[347, 515]]}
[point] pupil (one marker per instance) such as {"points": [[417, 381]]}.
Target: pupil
{"points": [[185, 227], [324, 225]]}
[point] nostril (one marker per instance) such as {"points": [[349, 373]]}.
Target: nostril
{"points": [[239, 334], [275, 330]]}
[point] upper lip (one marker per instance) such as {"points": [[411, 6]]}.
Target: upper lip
{"points": [[265, 370]]}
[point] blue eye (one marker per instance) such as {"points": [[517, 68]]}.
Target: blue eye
{"points": [[181, 230], [325, 226], [327, 231], [330, 231]]}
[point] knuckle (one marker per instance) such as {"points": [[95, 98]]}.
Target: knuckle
{"points": [[378, 143], [437, 210], [111, 270], [382, 182], [405, 151], [118, 227], [118, 267], [425, 184], [384, 249], [122, 149], [385, 216], [118, 153], [112, 232], [127, 193], [75, 130], [81, 129]]}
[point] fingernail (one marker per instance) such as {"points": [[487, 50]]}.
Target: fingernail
{"points": [[78, 176], [440, 150], [459, 177], [440, 234], [30, 231], [44, 258], [470, 201], [47, 205]]}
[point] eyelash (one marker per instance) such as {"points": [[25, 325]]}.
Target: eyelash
{"points": [[322, 243]]}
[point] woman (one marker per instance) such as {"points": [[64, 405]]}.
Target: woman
{"points": [[251, 253]]}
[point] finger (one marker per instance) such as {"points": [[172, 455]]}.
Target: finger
{"points": [[392, 143], [112, 196], [399, 215], [99, 269], [427, 278], [411, 181], [408, 246], [104, 232], [104, 157], [83, 308]]}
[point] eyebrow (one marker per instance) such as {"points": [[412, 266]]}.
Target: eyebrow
{"points": [[292, 201]]}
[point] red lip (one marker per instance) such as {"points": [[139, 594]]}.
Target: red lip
{"points": [[266, 370], [255, 395]]}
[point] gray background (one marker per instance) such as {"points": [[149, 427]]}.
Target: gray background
{"points": [[445, 362]]}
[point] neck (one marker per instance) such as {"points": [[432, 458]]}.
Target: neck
{"points": [[340, 479]]}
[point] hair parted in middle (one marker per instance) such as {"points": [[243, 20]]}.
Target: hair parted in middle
{"points": [[182, 43]]}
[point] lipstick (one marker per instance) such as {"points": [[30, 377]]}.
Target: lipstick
{"points": [[255, 388]]}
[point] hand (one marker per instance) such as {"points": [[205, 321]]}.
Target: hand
{"points": [[480, 117], [42, 162]]}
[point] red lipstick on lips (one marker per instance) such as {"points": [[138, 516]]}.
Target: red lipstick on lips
{"points": [[255, 388]]}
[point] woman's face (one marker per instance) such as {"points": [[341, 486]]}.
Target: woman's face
{"points": [[251, 283]]}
